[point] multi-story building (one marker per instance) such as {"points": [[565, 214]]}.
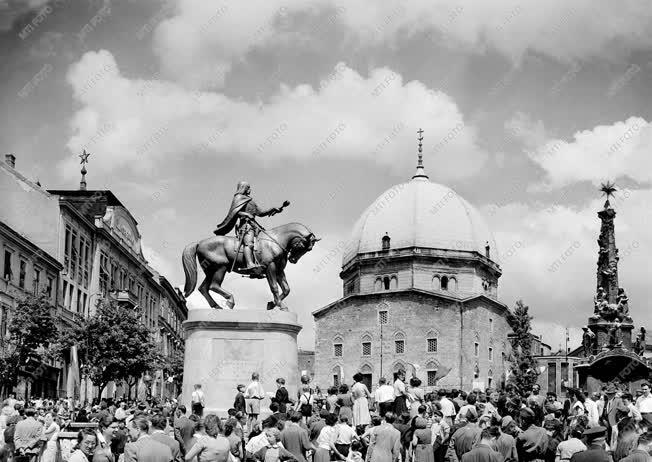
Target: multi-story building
{"points": [[172, 313], [420, 294], [29, 264], [102, 257], [94, 240]]}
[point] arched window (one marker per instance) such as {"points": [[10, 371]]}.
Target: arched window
{"points": [[338, 347], [366, 345], [399, 343], [431, 373], [490, 379], [431, 341], [476, 372], [386, 282], [436, 284], [444, 283], [385, 242], [452, 284], [378, 285], [393, 282]]}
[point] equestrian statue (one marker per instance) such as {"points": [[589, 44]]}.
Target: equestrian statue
{"points": [[254, 251]]}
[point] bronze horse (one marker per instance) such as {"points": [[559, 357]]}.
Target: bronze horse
{"points": [[216, 256]]}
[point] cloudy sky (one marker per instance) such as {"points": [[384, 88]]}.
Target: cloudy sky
{"points": [[526, 105]]}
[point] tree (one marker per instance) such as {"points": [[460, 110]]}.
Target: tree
{"points": [[173, 368], [113, 345], [31, 330], [524, 367]]}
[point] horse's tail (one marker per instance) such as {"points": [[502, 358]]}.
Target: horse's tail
{"points": [[190, 268]]}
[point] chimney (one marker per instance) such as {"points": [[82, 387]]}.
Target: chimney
{"points": [[487, 252], [10, 159]]}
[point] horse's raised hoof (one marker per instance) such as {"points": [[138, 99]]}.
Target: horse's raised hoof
{"points": [[271, 305], [230, 304]]}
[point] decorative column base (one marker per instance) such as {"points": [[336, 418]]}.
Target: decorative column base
{"points": [[224, 347]]}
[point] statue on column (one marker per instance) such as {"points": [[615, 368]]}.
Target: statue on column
{"points": [[639, 346], [614, 335], [588, 341], [598, 301], [622, 303]]}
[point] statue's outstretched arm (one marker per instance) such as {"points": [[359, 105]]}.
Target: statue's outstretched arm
{"points": [[273, 210]]}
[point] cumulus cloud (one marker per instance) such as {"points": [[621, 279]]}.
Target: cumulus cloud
{"points": [[123, 120], [207, 37], [549, 255], [604, 152]]}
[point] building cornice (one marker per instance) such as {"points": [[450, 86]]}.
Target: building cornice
{"points": [[420, 253], [191, 326], [464, 301]]}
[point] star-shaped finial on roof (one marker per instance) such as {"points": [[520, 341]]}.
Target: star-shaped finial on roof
{"points": [[84, 156], [608, 189]]}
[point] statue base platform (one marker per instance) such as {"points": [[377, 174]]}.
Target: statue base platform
{"points": [[224, 347]]}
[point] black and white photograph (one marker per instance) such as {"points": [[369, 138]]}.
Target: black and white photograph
{"points": [[325, 230]]}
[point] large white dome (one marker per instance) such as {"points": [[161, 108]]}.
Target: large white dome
{"points": [[420, 213]]}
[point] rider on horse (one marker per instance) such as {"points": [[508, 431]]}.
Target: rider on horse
{"points": [[242, 216]]}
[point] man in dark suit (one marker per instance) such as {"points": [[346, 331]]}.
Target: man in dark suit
{"points": [[483, 452], [532, 443], [595, 438], [614, 410], [465, 437], [159, 423], [282, 396], [143, 448], [184, 428]]}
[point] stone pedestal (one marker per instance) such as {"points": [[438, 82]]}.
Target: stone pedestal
{"points": [[224, 347]]}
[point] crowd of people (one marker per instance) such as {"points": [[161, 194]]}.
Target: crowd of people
{"points": [[398, 422]]}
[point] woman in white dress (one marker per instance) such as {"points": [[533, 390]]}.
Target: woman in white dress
{"points": [[50, 436], [360, 394], [86, 442]]}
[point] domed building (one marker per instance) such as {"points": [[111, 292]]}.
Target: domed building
{"points": [[420, 293]]}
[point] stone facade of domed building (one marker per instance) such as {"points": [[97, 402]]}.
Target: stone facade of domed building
{"points": [[420, 293]]}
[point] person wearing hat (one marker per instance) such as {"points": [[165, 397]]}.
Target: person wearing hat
{"points": [[596, 438], [614, 410], [642, 451], [531, 444]]}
